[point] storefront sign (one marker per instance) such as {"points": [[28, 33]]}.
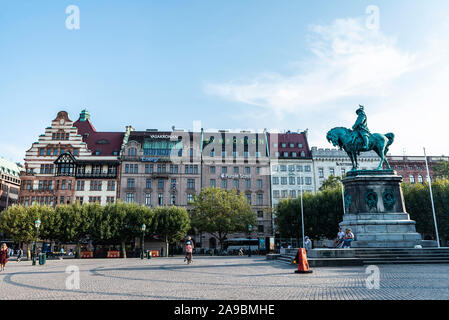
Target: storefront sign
{"points": [[235, 176]]}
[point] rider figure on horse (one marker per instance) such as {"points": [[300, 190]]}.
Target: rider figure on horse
{"points": [[361, 128]]}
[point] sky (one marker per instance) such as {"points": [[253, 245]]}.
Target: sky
{"points": [[234, 64]]}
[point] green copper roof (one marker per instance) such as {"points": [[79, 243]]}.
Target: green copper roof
{"points": [[9, 167], [84, 115]]}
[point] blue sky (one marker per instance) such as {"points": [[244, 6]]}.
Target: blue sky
{"points": [[231, 64]]}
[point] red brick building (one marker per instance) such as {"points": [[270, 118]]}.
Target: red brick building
{"points": [[413, 168]]}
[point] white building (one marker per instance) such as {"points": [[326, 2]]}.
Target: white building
{"points": [[327, 162]]}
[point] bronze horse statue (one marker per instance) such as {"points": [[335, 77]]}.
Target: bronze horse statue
{"points": [[351, 143]]}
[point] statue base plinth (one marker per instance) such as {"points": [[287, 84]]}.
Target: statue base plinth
{"points": [[375, 211]]}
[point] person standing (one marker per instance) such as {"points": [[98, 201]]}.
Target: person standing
{"points": [[19, 254], [4, 255], [189, 249], [307, 243]]}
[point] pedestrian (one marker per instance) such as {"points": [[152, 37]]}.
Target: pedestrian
{"points": [[19, 254], [349, 237], [62, 253], [307, 243], [4, 255]]}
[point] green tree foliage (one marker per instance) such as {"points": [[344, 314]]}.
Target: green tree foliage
{"points": [[331, 183], [323, 212], [171, 223], [441, 170], [125, 221], [419, 206], [222, 212]]}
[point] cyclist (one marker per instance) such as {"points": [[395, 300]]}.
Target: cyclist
{"points": [[189, 250]]}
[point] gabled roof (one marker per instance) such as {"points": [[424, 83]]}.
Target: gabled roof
{"points": [[103, 142]]}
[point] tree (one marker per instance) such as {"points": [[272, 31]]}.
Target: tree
{"points": [[126, 220], [171, 223], [331, 183], [441, 169], [222, 212], [323, 212], [50, 223]]}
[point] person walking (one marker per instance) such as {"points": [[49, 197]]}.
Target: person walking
{"points": [[189, 250], [19, 255], [4, 255]]}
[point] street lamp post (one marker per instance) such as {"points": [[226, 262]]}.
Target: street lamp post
{"points": [[142, 244], [37, 224], [250, 228]]}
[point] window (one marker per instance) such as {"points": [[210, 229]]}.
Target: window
{"points": [[257, 154], [294, 154], [292, 145], [321, 172], [110, 200], [259, 183], [160, 199], [63, 186], [147, 199], [111, 186], [260, 228], [283, 168], [173, 199], [248, 198], [291, 180], [259, 199], [147, 168], [247, 170], [298, 168], [148, 184], [224, 169], [130, 183], [246, 154], [259, 214], [257, 170], [212, 153], [276, 194], [307, 168], [223, 153], [173, 184], [190, 198], [190, 183], [332, 171], [412, 179], [293, 194], [236, 183], [284, 145], [212, 169], [75, 152], [236, 170], [129, 197], [286, 154], [235, 154], [284, 193], [299, 180], [283, 180], [42, 152], [420, 179], [299, 145], [224, 184], [275, 168], [248, 184], [80, 185], [49, 152], [308, 181], [291, 168], [160, 184], [126, 168], [212, 183]]}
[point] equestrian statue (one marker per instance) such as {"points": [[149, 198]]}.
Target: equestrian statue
{"points": [[360, 139]]}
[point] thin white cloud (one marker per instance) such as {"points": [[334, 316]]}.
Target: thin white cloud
{"points": [[347, 60]]}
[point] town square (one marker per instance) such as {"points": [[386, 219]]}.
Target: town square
{"points": [[248, 152]]}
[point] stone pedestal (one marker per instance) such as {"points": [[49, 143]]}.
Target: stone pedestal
{"points": [[375, 210]]}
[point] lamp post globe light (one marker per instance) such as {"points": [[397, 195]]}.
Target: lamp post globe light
{"points": [[142, 244], [37, 224]]}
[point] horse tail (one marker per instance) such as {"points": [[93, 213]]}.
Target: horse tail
{"points": [[390, 137]]}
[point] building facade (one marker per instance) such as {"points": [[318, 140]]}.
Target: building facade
{"points": [[413, 168], [291, 165], [160, 168], [72, 162], [327, 162], [240, 161], [9, 183]]}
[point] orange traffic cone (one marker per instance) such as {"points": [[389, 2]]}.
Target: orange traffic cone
{"points": [[301, 259]]}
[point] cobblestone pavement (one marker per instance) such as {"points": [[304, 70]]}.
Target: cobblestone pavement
{"points": [[218, 278]]}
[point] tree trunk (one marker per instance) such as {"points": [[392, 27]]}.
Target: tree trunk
{"points": [[123, 249], [166, 246], [78, 250], [28, 251]]}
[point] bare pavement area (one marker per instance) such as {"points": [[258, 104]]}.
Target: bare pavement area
{"points": [[251, 278]]}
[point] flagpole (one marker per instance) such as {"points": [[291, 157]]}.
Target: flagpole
{"points": [[431, 199], [302, 212]]}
